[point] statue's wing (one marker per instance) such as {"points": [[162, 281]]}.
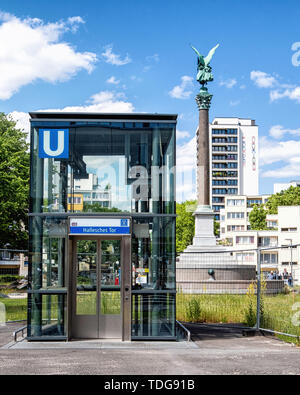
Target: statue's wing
{"points": [[210, 54], [200, 57]]}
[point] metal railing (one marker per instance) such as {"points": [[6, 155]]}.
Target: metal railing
{"points": [[21, 330]]}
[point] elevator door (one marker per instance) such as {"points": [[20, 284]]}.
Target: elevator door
{"points": [[97, 277]]}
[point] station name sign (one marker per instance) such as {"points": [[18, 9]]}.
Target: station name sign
{"points": [[99, 226]]}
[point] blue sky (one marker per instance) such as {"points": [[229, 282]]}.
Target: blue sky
{"points": [[134, 55]]}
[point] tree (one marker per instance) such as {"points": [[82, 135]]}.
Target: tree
{"points": [[14, 185], [216, 228], [289, 197], [257, 217], [98, 208], [185, 224]]}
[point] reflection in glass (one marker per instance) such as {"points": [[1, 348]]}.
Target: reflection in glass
{"points": [[111, 277], [86, 295]]}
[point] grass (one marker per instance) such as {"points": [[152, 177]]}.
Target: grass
{"points": [[110, 303], [16, 309], [277, 311]]}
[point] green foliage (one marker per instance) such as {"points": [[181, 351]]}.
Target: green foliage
{"points": [[14, 185], [16, 309], [193, 310], [216, 228], [289, 197], [250, 314], [97, 208], [185, 224], [9, 278], [257, 217]]}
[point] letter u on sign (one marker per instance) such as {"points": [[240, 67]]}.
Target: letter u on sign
{"points": [[54, 143]]}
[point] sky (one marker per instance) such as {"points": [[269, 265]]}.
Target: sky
{"points": [[135, 56]]}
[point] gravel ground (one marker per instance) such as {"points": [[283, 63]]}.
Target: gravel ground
{"points": [[216, 350]]}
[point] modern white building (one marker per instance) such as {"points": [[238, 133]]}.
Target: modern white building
{"points": [[233, 158], [92, 192], [284, 230], [278, 187]]}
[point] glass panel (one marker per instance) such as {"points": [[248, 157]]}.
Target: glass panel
{"points": [[110, 277], [47, 318], [86, 296], [47, 252], [153, 253], [153, 315], [114, 167]]}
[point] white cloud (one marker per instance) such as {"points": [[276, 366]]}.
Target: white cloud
{"points": [[183, 91], [234, 103], [275, 151], [292, 94], [153, 58], [185, 171], [113, 58], [180, 134], [32, 50], [279, 131], [229, 83], [113, 80], [292, 170], [22, 122], [262, 79], [104, 101]]}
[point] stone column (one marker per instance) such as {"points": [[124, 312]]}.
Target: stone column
{"points": [[204, 215]]}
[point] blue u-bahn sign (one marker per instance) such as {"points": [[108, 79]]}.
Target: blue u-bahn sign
{"points": [[54, 143]]}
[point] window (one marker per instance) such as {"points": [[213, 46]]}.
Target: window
{"points": [[267, 241], [288, 229], [288, 263], [245, 257], [271, 224], [244, 239], [219, 166], [218, 208], [219, 191], [235, 202], [238, 215], [219, 157], [231, 147], [235, 228], [219, 182], [251, 202], [269, 258]]}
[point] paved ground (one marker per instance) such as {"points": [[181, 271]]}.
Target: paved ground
{"points": [[216, 350]]}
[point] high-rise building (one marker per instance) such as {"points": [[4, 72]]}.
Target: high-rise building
{"points": [[233, 158]]}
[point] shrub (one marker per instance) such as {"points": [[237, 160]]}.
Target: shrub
{"points": [[9, 278], [193, 310]]}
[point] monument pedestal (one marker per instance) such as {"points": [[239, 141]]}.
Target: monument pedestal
{"points": [[204, 227]]}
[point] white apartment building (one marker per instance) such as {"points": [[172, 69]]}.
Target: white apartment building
{"points": [[92, 192], [284, 230], [233, 158], [278, 187]]}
